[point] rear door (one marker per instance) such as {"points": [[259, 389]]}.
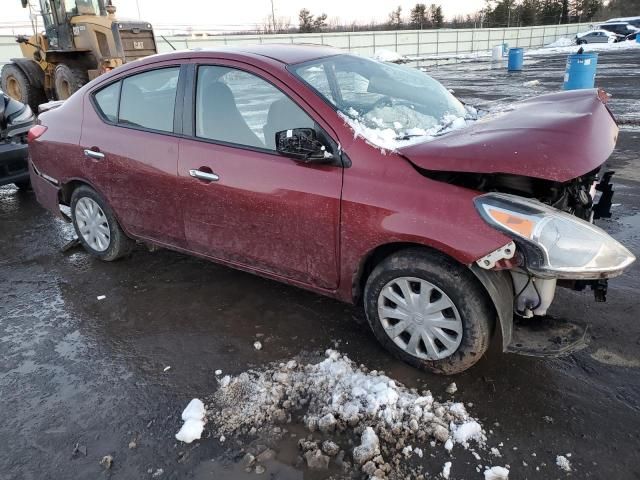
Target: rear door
{"points": [[243, 202], [129, 140]]}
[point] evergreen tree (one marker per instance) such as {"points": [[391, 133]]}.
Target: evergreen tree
{"points": [[395, 18], [528, 12], [437, 18], [418, 16], [320, 23], [306, 21]]}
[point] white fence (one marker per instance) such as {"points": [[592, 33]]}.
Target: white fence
{"points": [[442, 42]]}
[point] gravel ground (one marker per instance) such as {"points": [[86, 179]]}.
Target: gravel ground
{"points": [[82, 379]]}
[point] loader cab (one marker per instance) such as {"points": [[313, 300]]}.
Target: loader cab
{"points": [[58, 15]]}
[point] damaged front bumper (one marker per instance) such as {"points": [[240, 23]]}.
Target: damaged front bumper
{"points": [[550, 248]]}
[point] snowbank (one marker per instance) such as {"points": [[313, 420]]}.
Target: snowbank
{"points": [[388, 56]]}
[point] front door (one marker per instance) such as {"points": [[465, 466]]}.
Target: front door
{"points": [[243, 202]]}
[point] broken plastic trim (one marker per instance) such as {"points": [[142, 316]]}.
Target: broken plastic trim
{"points": [[503, 253]]}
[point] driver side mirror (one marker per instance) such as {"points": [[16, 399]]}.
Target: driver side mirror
{"points": [[302, 144]]}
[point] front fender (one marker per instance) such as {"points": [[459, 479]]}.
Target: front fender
{"points": [[499, 287]]}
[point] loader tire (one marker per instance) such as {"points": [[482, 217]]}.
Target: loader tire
{"points": [[68, 79], [18, 86]]}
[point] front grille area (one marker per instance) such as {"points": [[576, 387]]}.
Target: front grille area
{"points": [[137, 45]]}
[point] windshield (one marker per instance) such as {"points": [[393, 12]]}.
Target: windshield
{"points": [[384, 96], [82, 7]]}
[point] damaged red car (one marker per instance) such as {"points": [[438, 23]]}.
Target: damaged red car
{"points": [[360, 180]]}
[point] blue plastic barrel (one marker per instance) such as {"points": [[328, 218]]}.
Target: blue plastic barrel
{"points": [[581, 71], [516, 59], [638, 38]]}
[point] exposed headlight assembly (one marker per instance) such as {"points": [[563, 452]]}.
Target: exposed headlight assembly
{"points": [[556, 244]]}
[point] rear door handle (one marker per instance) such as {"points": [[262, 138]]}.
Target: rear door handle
{"points": [[200, 175], [93, 154]]}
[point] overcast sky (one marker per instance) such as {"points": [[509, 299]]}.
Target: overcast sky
{"points": [[250, 12]]}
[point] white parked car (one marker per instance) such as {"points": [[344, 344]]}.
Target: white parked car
{"points": [[597, 36]]}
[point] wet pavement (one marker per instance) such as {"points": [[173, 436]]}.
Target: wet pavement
{"points": [[81, 378]]}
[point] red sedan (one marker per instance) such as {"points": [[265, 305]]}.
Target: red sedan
{"points": [[364, 181]]}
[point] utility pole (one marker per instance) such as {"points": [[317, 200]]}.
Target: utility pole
{"points": [[138, 7], [273, 17]]}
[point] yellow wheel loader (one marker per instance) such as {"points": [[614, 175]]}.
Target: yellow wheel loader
{"points": [[81, 40]]}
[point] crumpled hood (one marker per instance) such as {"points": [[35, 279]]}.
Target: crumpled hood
{"points": [[558, 137]]}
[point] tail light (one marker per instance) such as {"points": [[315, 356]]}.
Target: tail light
{"points": [[35, 132]]}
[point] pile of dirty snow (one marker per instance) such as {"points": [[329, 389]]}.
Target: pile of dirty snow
{"points": [[335, 397], [392, 127]]}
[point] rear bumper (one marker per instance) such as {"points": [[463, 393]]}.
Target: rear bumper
{"points": [[13, 163], [47, 194]]}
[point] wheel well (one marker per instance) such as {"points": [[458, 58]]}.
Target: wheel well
{"points": [[67, 190], [376, 256]]}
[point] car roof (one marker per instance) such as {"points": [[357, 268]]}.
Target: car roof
{"points": [[284, 53], [623, 19], [619, 22]]}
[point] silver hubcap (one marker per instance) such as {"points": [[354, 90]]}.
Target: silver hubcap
{"points": [[92, 224], [420, 318]]}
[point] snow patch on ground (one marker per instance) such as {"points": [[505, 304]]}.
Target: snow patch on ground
{"points": [[335, 396], [562, 45], [194, 420], [563, 462], [496, 473]]}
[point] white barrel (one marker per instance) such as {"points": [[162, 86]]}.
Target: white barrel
{"points": [[496, 53]]}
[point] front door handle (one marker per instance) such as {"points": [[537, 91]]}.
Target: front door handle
{"points": [[93, 154], [207, 176]]}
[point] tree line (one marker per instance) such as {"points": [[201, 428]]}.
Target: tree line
{"points": [[496, 13]]}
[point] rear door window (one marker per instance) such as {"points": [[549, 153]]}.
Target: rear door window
{"points": [[148, 99]]}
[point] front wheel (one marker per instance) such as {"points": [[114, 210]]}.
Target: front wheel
{"points": [[97, 227], [429, 311]]}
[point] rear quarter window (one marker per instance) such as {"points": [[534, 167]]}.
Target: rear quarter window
{"points": [[107, 101]]}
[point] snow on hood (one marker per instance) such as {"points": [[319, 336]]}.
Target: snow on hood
{"points": [[391, 127]]}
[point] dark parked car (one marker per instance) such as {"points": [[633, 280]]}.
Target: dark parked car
{"points": [[365, 181], [619, 28], [15, 121]]}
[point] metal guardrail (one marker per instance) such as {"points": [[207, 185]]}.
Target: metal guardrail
{"points": [[410, 43]]}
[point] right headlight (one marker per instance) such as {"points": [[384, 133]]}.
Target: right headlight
{"points": [[556, 244]]}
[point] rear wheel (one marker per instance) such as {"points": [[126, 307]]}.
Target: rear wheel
{"points": [[97, 227], [429, 311], [68, 80], [17, 85]]}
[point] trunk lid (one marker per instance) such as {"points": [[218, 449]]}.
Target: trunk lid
{"points": [[557, 137]]}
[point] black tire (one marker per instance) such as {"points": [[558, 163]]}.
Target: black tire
{"points": [[458, 283], [582, 42], [18, 86], [119, 245], [68, 79], [24, 185]]}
